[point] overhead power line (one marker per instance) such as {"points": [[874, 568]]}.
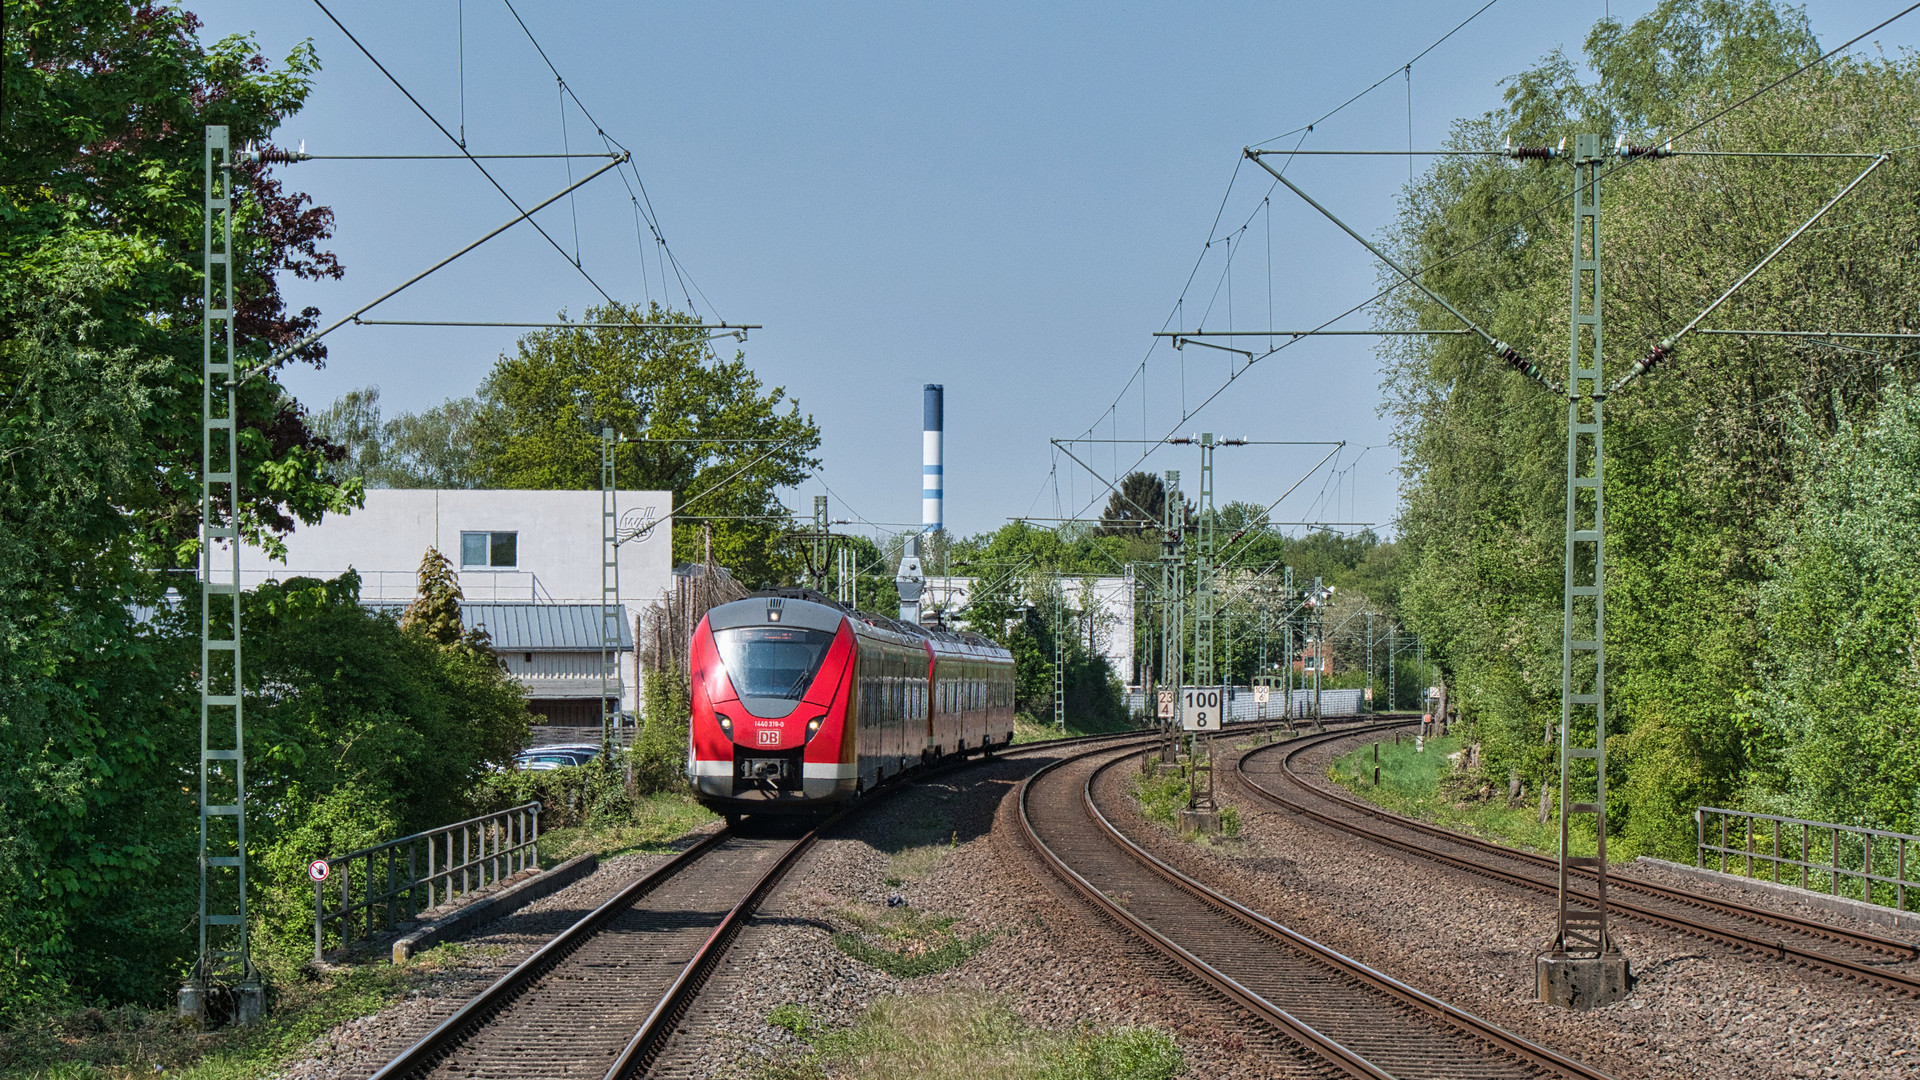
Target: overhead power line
{"points": [[455, 140]]}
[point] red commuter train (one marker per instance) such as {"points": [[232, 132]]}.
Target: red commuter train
{"points": [[800, 703]]}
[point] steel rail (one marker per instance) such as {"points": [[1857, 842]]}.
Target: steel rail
{"points": [[425, 1054], [644, 1047], [1346, 1060], [1810, 927], [1850, 969], [1478, 1028], [646, 1043], [1337, 1054]]}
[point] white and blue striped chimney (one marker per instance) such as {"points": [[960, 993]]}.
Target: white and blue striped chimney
{"points": [[933, 484]]}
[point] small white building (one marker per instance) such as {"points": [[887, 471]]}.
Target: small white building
{"points": [[529, 564]]}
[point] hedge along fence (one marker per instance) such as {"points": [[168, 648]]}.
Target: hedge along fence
{"points": [[568, 796]]}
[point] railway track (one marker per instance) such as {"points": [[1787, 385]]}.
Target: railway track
{"points": [[1274, 773], [601, 999], [1360, 1021]]}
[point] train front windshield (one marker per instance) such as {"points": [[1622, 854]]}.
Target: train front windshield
{"points": [[772, 661]]}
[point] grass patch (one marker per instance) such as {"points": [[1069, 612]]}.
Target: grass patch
{"points": [[1427, 786], [906, 943], [1161, 798], [129, 1042], [1028, 729], [919, 844], [964, 1035], [657, 821], [916, 862]]}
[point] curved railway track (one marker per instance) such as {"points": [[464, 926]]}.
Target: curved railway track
{"points": [[1361, 1022], [1273, 773], [600, 1000]]}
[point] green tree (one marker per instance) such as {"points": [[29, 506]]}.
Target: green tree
{"points": [[100, 325], [358, 730], [1838, 708], [435, 611], [1137, 508], [440, 447], [552, 397], [1696, 453]]}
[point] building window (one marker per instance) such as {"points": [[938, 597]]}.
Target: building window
{"points": [[489, 549]]}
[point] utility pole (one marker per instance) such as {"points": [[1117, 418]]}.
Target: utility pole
{"points": [[1393, 650], [610, 611], [1287, 642], [1319, 622], [1369, 694], [1059, 658], [844, 563], [821, 543], [225, 956], [1582, 960], [1172, 596], [1203, 658]]}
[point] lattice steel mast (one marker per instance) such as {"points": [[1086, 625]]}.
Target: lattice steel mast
{"points": [[224, 956]]}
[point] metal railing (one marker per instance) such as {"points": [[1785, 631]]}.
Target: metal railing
{"points": [[1842, 860], [390, 887], [477, 583]]}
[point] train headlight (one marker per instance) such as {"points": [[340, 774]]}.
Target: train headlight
{"points": [[726, 724], [813, 725]]}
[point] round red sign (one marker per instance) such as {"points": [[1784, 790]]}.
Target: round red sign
{"points": [[318, 869]]}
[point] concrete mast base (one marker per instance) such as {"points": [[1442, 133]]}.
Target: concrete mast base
{"points": [[1584, 982]]}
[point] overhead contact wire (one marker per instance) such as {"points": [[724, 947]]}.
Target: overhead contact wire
{"points": [[435, 121]]}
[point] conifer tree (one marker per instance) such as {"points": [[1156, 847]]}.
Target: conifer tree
{"points": [[435, 611]]}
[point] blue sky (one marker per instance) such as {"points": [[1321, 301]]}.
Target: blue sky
{"points": [[1007, 199]]}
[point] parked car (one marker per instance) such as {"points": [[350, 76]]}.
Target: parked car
{"points": [[555, 757]]}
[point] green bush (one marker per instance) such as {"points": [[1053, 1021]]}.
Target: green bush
{"points": [[659, 755], [590, 794], [1161, 798]]}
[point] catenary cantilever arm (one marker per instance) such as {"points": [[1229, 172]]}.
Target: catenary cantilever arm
{"points": [[1507, 353], [272, 361], [1665, 348]]}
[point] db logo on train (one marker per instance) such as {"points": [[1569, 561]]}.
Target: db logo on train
{"points": [[1200, 708], [768, 738]]}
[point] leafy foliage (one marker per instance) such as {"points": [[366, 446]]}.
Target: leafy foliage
{"points": [[696, 424], [1697, 456]]}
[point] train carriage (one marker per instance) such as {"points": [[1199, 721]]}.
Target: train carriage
{"points": [[799, 703]]}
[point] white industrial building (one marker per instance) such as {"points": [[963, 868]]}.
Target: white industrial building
{"points": [[1102, 608], [529, 564]]}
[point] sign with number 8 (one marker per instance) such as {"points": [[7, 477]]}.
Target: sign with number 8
{"points": [[1200, 708]]}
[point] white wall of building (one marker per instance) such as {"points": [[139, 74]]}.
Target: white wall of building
{"points": [[1109, 599], [558, 544], [557, 548]]}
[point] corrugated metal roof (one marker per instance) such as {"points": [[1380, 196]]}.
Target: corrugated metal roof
{"points": [[535, 626]]}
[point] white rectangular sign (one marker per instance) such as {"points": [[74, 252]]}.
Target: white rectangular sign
{"points": [[1166, 703], [1200, 708], [1262, 695]]}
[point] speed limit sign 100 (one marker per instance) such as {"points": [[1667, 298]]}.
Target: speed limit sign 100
{"points": [[1200, 708]]}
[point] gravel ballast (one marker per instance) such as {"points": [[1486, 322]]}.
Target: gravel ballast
{"points": [[1700, 1009], [1057, 966], [359, 1047]]}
